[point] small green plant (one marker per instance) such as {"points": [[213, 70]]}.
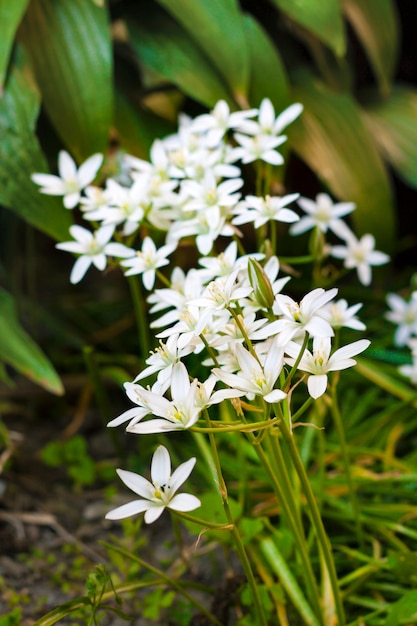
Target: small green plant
{"points": [[73, 456]]}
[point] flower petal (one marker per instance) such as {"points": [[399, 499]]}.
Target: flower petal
{"points": [[126, 510], [184, 502], [161, 466]]}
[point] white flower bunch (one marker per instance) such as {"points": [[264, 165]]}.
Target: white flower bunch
{"points": [[230, 307]]}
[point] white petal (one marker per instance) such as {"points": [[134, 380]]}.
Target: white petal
{"points": [[80, 267], [154, 512], [138, 484], [161, 466], [126, 510], [184, 502], [66, 166], [88, 170], [276, 395], [317, 385], [181, 474]]}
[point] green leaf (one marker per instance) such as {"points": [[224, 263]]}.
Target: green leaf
{"points": [[218, 29], [70, 48], [393, 124], [21, 155], [404, 611], [323, 18], [166, 48], [375, 23], [268, 78], [137, 128], [21, 352], [332, 138], [10, 15], [280, 567]]}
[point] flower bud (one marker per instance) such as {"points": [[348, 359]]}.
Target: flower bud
{"points": [[261, 284]]}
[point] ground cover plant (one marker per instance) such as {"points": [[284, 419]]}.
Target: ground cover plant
{"points": [[265, 343]]}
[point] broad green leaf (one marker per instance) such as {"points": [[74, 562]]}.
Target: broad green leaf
{"points": [[167, 49], [267, 73], [333, 140], [70, 48], [375, 23], [137, 128], [393, 124], [10, 15], [217, 28], [21, 155], [323, 18], [21, 352]]}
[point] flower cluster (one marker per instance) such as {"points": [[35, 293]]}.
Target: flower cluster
{"points": [[231, 309]]}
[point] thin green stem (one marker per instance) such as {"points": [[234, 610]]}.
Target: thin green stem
{"points": [[141, 316], [294, 518], [337, 418], [316, 520], [161, 574], [240, 548], [297, 361]]}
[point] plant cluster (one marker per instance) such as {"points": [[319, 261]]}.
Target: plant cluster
{"points": [[241, 365]]}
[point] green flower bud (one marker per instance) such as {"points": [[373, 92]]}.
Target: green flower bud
{"points": [[261, 284]]}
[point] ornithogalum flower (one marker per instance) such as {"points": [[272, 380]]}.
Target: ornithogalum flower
{"points": [[93, 248], [320, 362], [70, 181], [147, 261], [359, 254], [159, 494], [254, 378]]}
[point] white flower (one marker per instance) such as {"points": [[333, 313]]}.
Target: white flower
{"points": [[222, 292], [262, 210], [339, 315], [159, 494], [258, 147], [267, 123], [360, 254], [147, 261], [207, 193], [322, 213], [180, 413], [70, 181], [93, 248], [254, 378], [219, 121], [163, 359], [299, 316], [319, 362], [404, 314]]}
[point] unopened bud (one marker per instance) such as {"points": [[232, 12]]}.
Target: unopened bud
{"points": [[261, 284]]}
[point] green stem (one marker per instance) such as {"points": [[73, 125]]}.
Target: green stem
{"points": [[240, 548], [337, 418], [297, 361], [316, 520], [289, 504], [201, 522], [161, 574], [140, 314]]}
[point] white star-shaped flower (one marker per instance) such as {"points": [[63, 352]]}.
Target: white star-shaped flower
{"points": [[159, 494], [321, 213], [360, 254], [147, 260], [93, 248], [71, 181]]}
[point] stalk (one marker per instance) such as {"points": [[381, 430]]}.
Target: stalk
{"points": [[316, 520]]}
